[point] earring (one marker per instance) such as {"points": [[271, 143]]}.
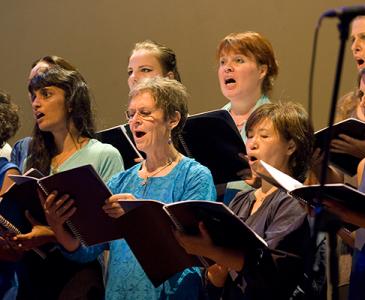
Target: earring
{"points": [[169, 141]]}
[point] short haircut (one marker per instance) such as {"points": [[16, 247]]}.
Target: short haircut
{"points": [[170, 95], [291, 121], [257, 47]]}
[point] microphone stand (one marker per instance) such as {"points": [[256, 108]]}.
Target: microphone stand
{"points": [[323, 220]]}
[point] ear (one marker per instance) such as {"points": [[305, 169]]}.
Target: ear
{"points": [[174, 120], [291, 147], [263, 71], [170, 75]]}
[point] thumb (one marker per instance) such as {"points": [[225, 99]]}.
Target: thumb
{"points": [[41, 196], [31, 219]]}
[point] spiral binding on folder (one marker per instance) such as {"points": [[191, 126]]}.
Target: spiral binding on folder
{"points": [[76, 232], [12, 229], [44, 190]]}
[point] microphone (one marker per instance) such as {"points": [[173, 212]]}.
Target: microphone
{"points": [[348, 12]]}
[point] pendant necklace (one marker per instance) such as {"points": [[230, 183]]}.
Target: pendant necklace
{"points": [[169, 162]]}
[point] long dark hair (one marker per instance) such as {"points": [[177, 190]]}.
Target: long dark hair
{"points": [[78, 105]]}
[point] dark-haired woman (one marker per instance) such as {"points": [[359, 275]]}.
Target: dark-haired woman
{"points": [[62, 139], [281, 135]]}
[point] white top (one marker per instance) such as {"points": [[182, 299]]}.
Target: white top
{"points": [[5, 151]]}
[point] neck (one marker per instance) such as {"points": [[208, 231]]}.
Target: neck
{"points": [[244, 105], [266, 187], [67, 140], [160, 157]]}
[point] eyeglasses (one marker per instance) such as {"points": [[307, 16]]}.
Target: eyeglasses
{"points": [[144, 115]]}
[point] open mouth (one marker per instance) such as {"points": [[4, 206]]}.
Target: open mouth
{"points": [[139, 134], [252, 159], [360, 62], [229, 81], [39, 115]]}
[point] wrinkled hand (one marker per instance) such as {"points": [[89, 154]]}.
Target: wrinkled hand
{"points": [[345, 214], [38, 236], [347, 144], [112, 206]]}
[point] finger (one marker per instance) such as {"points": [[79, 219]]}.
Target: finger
{"points": [[317, 152], [138, 159], [50, 201], [61, 201], [63, 206], [113, 210], [41, 196], [347, 138], [117, 197], [68, 214]]}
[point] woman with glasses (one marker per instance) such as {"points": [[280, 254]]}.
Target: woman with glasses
{"points": [[156, 113]]}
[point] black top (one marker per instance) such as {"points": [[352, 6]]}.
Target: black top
{"points": [[271, 274]]}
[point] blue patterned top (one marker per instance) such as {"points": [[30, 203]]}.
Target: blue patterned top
{"points": [[126, 280]]}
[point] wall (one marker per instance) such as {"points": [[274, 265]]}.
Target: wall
{"points": [[97, 36]]}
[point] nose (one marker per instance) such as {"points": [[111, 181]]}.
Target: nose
{"points": [[251, 143], [228, 68], [356, 45], [135, 119], [35, 101], [132, 79]]}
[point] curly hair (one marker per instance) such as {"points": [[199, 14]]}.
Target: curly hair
{"points": [[9, 119], [78, 105]]}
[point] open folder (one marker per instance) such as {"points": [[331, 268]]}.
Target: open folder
{"points": [[313, 194], [121, 138], [352, 127], [150, 233], [212, 138], [90, 224]]}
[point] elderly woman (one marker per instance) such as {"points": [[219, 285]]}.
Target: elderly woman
{"points": [[156, 113]]}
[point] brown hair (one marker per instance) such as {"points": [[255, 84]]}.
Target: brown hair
{"points": [[292, 123], [9, 119], [78, 103], [253, 45], [346, 107], [166, 56]]}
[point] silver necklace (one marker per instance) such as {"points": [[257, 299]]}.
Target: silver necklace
{"points": [[169, 162]]}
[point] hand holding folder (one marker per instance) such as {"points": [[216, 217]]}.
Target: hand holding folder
{"points": [[354, 129]]}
